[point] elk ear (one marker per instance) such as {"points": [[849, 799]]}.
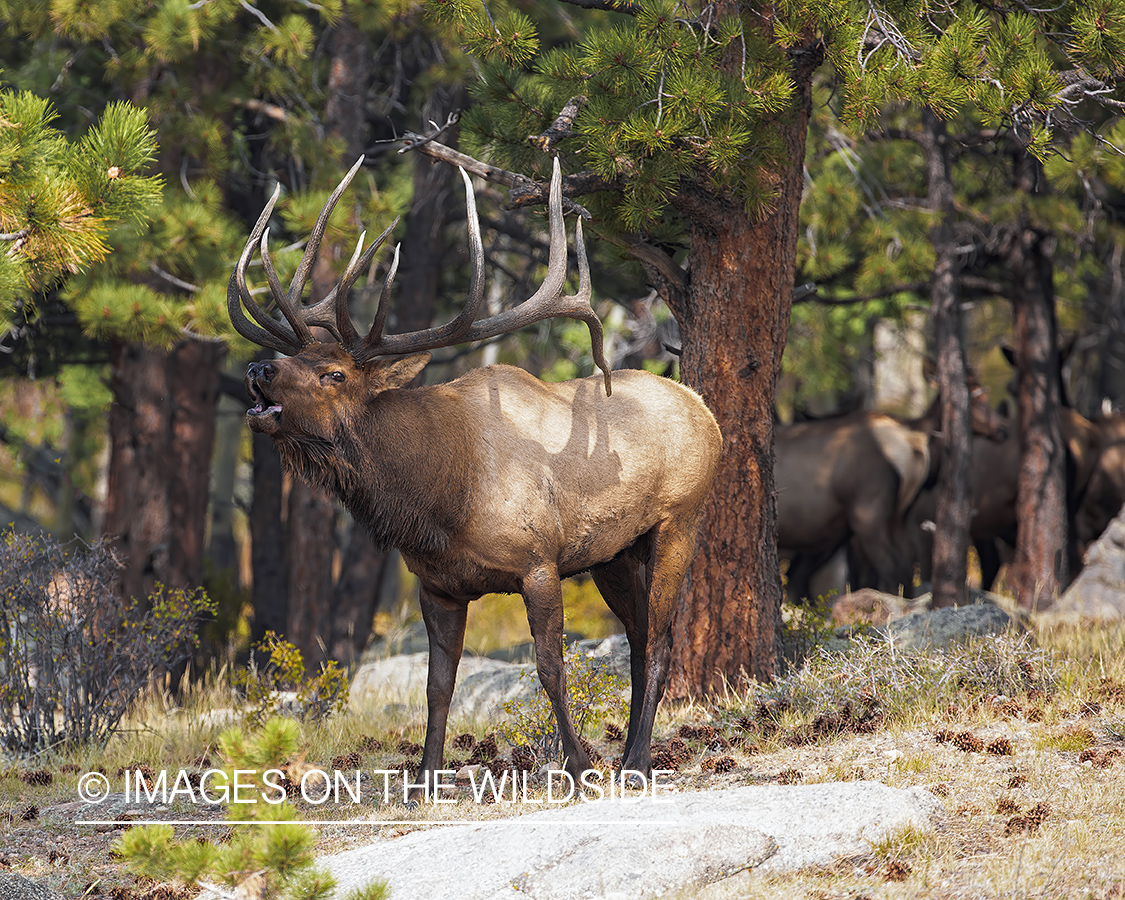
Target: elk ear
{"points": [[403, 371]]}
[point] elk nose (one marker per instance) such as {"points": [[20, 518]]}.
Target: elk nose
{"points": [[260, 370]]}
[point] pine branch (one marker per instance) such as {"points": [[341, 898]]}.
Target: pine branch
{"points": [[172, 279], [452, 119], [272, 110], [913, 287], [561, 128], [430, 147], [621, 6], [524, 191], [254, 11], [535, 194]]}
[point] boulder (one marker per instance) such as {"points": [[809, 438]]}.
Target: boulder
{"points": [[483, 684], [16, 887], [1099, 590], [668, 844], [868, 606], [939, 628]]}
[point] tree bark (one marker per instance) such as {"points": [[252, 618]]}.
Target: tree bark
{"points": [[270, 597], [194, 378], [1040, 566], [734, 318], [310, 547], [161, 427], [136, 497], [954, 500], [356, 597]]}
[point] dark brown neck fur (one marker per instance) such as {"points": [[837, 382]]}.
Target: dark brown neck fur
{"points": [[407, 489]]}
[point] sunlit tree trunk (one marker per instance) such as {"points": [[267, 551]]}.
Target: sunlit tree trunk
{"points": [[734, 318]]}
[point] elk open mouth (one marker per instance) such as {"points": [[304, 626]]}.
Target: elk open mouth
{"points": [[264, 415]]}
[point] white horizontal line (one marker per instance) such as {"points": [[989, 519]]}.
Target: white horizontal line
{"points": [[398, 822]]}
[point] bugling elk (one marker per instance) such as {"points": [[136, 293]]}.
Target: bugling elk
{"points": [[494, 482]]}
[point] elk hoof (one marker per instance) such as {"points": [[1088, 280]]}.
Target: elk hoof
{"points": [[411, 805], [633, 781]]}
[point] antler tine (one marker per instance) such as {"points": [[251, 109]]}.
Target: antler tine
{"points": [[581, 299], [452, 332], [545, 303], [266, 332], [384, 303], [336, 302], [290, 303]]}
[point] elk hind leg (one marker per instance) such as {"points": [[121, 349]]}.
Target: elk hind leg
{"points": [[624, 583], [542, 595], [445, 628], [671, 545]]}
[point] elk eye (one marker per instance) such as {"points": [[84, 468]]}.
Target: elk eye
{"points": [[332, 377]]}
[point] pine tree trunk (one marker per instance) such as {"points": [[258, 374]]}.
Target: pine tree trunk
{"points": [[136, 497], [356, 597], [161, 428], [270, 597], [1041, 564], [734, 320], [194, 378], [740, 293], [310, 547], [954, 501]]}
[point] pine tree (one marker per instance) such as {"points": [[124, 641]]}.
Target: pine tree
{"points": [[60, 199], [692, 127], [233, 97]]}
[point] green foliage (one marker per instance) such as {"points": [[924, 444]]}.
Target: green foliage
{"points": [[592, 695], [273, 857], [318, 696], [59, 199]]}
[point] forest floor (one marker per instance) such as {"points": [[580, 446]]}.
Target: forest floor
{"points": [[1022, 739]]}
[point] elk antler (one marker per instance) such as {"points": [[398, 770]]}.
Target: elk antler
{"points": [[332, 311]]}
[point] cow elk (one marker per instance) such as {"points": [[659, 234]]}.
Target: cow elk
{"points": [[852, 478], [494, 482]]}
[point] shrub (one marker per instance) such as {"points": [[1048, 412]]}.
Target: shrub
{"points": [[318, 696], [854, 691], [592, 694], [73, 652]]}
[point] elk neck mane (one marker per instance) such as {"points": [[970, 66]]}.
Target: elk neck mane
{"points": [[406, 489]]}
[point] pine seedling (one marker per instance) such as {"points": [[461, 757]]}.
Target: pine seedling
{"points": [[270, 852]]}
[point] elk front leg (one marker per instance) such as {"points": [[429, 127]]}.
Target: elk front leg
{"points": [[542, 595], [445, 627]]}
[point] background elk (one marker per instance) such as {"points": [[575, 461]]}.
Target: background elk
{"points": [[852, 478], [494, 482]]}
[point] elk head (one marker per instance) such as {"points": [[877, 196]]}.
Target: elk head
{"points": [[310, 397]]}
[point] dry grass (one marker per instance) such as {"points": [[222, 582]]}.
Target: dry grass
{"points": [[1020, 739]]}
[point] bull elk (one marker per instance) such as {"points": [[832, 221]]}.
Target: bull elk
{"points": [[494, 482]]}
